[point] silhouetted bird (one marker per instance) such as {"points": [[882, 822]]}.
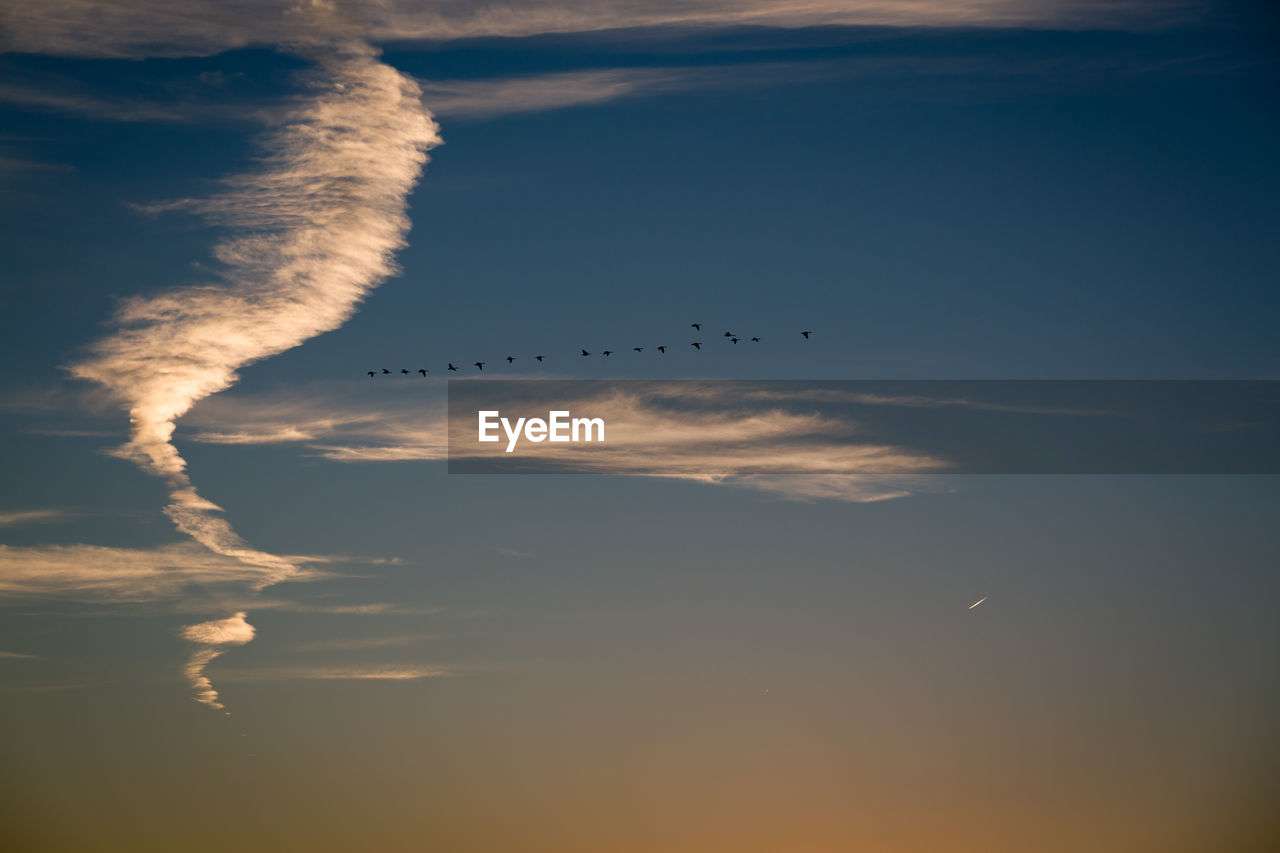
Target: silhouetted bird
{"points": [[806, 335], [728, 334], [584, 352], [423, 371], [538, 357], [404, 371], [755, 340], [451, 367], [696, 344], [384, 370], [662, 350], [480, 364], [735, 340], [697, 326], [510, 359], [638, 349], [372, 373], [607, 352]]}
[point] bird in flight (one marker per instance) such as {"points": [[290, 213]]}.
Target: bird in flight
{"points": [[696, 344], [662, 350], [480, 364], [806, 335], [728, 334], [638, 349], [979, 601], [423, 371], [697, 326], [735, 340], [607, 352], [510, 359], [538, 357], [451, 367], [372, 373], [384, 370], [584, 352], [405, 371], [755, 340]]}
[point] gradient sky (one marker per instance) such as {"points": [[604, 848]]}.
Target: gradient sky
{"points": [[312, 637]]}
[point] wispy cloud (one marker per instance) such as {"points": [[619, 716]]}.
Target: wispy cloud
{"points": [[191, 28], [95, 573], [214, 637], [337, 673], [14, 518], [707, 443], [18, 656], [314, 229]]}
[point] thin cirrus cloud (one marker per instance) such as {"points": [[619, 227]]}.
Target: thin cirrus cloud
{"points": [[336, 673], [823, 457], [171, 28], [15, 518], [101, 574]]}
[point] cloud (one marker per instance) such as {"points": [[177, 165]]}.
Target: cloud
{"points": [[95, 573], [215, 636], [32, 516], [333, 673], [313, 231], [18, 656], [718, 438], [113, 28]]}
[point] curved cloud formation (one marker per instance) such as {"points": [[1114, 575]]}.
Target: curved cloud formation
{"points": [[214, 636], [314, 229]]}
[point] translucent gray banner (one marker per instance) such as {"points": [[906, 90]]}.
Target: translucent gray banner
{"points": [[724, 428]]}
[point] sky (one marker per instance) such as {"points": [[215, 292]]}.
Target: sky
{"points": [[244, 602]]}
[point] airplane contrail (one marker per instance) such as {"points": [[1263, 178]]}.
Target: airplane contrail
{"points": [[979, 601]]}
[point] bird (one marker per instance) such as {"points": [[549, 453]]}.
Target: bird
{"points": [[728, 334], [638, 349], [696, 344], [423, 371], [384, 370], [662, 350], [607, 352], [806, 335], [538, 357], [451, 367], [584, 352], [697, 326], [510, 359], [405, 371], [480, 364], [372, 373], [735, 340], [755, 340]]}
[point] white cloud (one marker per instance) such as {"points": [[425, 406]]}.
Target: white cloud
{"points": [[214, 636], [134, 28], [314, 231], [95, 573], [32, 516], [337, 673]]}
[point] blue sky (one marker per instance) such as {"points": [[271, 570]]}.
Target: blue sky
{"points": [[983, 190]]}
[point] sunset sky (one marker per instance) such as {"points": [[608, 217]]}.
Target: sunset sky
{"points": [[245, 605]]}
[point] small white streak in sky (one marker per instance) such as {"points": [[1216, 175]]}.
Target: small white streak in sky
{"points": [[979, 601]]}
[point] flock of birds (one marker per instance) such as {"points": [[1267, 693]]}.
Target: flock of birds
{"points": [[479, 365]]}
